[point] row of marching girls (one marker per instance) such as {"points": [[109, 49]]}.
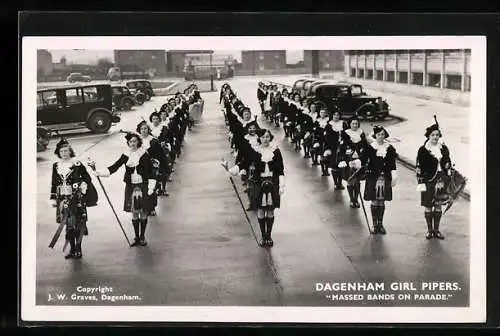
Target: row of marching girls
{"points": [[258, 161], [148, 160], [314, 129], [353, 156]]}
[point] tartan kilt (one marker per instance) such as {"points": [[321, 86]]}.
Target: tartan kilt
{"points": [[428, 198], [146, 203], [269, 186], [370, 193]]}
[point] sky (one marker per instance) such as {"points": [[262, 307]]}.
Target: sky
{"points": [[91, 56]]}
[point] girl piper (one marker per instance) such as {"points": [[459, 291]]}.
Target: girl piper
{"points": [[333, 134], [381, 176], [269, 183], [350, 153], [71, 192], [433, 166], [139, 184]]}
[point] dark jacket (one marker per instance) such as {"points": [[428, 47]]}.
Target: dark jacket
{"points": [[427, 163], [144, 168], [376, 165], [77, 175]]}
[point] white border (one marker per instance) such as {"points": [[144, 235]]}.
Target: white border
{"points": [[475, 313]]}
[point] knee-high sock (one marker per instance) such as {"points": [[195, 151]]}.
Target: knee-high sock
{"points": [[144, 223], [428, 219], [437, 219], [381, 214], [375, 214], [135, 223], [350, 191], [262, 224], [269, 227]]}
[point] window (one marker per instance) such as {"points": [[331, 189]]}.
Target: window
{"points": [[417, 78], [353, 72], [261, 66], [277, 55], [379, 75], [390, 76], [327, 66], [74, 96], [327, 54], [91, 94], [454, 82], [261, 56], [467, 83], [356, 90], [47, 98], [434, 80], [117, 91], [278, 66], [403, 77], [361, 73], [369, 73]]}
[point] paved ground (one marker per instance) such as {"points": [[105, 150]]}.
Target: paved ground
{"points": [[202, 250]]}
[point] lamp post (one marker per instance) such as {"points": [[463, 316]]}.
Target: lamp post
{"points": [[211, 74]]}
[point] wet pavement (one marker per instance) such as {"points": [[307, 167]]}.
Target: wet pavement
{"points": [[202, 250]]}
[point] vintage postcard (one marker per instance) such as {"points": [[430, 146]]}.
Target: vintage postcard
{"points": [[254, 179]]}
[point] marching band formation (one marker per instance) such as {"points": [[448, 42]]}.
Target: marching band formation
{"points": [[341, 148], [336, 145], [148, 162]]}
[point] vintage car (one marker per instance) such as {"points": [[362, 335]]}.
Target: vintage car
{"points": [[349, 99], [42, 138], [302, 84], [123, 99], [78, 77], [78, 106], [141, 89]]}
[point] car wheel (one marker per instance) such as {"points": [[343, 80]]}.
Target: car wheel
{"points": [[140, 99], [99, 122], [127, 105]]}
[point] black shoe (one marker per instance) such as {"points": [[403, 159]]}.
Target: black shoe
{"points": [[263, 242], [315, 164], [136, 242], [270, 242], [325, 174], [142, 241], [429, 235], [438, 235], [70, 255], [381, 230], [357, 205], [375, 230], [307, 156], [339, 187], [352, 204], [78, 255]]}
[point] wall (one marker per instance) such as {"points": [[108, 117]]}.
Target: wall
{"points": [[288, 71], [334, 58], [270, 59], [429, 93]]}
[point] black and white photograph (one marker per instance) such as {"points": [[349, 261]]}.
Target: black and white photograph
{"points": [[254, 179]]}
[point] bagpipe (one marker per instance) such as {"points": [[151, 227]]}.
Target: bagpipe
{"points": [[449, 187]]}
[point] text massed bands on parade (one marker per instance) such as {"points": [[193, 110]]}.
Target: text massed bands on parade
{"points": [[394, 292]]}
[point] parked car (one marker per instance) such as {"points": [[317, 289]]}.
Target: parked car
{"points": [[73, 107], [123, 99], [42, 138], [302, 84], [349, 99], [78, 77], [141, 89]]}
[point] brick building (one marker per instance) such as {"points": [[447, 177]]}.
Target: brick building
{"points": [[153, 61], [176, 58], [329, 60], [261, 60], [444, 69], [44, 62]]}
